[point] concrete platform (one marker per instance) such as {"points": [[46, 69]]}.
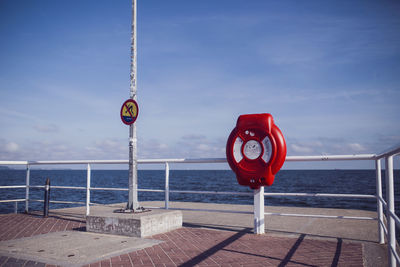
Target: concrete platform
{"points": [[105, 220], [72, 248]]}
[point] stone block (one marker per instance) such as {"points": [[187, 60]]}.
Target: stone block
{"points": [[143, 224]]}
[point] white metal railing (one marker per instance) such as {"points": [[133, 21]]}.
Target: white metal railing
{"points": [[388, 205]]}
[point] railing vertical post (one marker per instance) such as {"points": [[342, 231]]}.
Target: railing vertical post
{"points": [[16, 207], [46, 202], [166, 185], [88, 190], [259, 211], [390, 208], [28, 174], [379, 206]]}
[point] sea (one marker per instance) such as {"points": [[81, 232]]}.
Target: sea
{"points": [[286, 181]]}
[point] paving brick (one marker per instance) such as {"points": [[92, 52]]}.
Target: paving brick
{"points": [[195, 246], [105, 263]]}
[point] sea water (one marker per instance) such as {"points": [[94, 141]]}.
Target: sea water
{"points": [[286, 181]]}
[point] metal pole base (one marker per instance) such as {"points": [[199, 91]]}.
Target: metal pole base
{"points": [[138, 210]]}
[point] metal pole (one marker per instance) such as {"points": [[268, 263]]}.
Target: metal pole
{"points": [[390, 207], [166, 185], [259, 211], [46, 203], [133, 203], [88, 190], [28, 173], [379, 203]]}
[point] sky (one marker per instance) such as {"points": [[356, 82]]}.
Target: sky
{"points": [[328, 72]]}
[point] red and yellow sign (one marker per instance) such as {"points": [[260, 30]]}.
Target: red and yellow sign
{"points": [[129, 111]]}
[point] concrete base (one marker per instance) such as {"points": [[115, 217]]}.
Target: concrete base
{"points": [[105, 220], [71, 248]]}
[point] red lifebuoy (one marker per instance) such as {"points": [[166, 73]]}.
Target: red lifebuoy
{"points": [[256, 150]]}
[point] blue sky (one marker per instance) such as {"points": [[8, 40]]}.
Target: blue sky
{"points": [[329, 73]]}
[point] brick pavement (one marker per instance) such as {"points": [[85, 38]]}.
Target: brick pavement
{"points": [[203, 247], [191, 246]]}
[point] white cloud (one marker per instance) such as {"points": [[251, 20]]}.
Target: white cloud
{"points": [[330, 146], [107, 149], [11, 147], [356, 147], [301, 149]]}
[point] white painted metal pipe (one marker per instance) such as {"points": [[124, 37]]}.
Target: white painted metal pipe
{"points": [[12, 200], [390, 208], [12, 186], [390, 152], [13, 162], [320, 195], [77, 162], [88, 176], [67, 187], [108, 189], [194, 160], [152, 190], [207, 210], [319, 216], [384, 204], [259, 227], [60, 201], [384, 228], [379, 207], [211, 192], [27, 183], [166, 185], [396, 256], [395, 218], [331, 157]]}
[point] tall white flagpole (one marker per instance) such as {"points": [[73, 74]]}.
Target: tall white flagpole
{"points": [[133, 203]]}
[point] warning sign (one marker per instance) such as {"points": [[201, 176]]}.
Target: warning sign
{"points": [[129, 111]]}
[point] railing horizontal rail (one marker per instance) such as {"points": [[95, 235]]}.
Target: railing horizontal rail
{"points": [[68, 187], [331, 157], [320, 216], [183, 160], [12, 200], [383, 227], [211, 192], [12, 186], [320, 195], [13, 162], [152, 190], [389, 152], [108, 189], [395, 217], [210, 210], [395, 254], [383, 202], [196, 160], [58, 187], [59, 201], [124, 189]]}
